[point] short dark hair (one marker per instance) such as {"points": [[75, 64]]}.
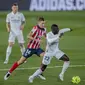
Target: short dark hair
{"points": [[15, 4], [40, 19]]}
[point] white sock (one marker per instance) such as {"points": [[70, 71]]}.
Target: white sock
{"points": [[8, 52], [38, 72], [65, 66], [22, 49]]}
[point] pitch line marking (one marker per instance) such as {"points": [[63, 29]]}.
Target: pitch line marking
{"points": [[49, 67]]}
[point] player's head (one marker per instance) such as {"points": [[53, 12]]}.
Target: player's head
{"points": [[15, 7], [54, 29], [41, 22]]}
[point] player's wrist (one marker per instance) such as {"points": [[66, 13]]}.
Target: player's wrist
{"points": [[71, 29]]}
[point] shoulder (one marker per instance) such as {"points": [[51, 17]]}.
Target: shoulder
{"points": [[35, 27], [19, 13], [9, 14], [49, 34]]}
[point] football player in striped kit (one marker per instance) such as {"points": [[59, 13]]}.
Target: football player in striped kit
{"points": [[33, 46]]}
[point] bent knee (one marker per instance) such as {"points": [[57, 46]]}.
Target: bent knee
{"points": [[65, 58], [43, 67], [21, 61], [21, 44], [11, 44]]}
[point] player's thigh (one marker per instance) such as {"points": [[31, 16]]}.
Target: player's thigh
{"points": [[40, 52], [11, 38], [28, 53], [20, 38], [64, 58], [47, 59], [59, 54]]}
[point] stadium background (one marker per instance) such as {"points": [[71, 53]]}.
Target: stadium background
{"points": [[65, 13]]}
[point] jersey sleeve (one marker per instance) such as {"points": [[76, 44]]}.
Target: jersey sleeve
{"points": [[22, 17], [64, 30], [53, 39], [7, 19], [33, 30]]}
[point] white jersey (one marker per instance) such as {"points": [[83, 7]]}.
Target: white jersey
{"points": [[52, 47], [15, 21], [53, 41]]}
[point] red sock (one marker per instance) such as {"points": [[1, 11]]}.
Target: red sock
{"points": [[15, 65]]}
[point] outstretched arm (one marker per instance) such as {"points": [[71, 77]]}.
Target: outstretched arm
{"points": [[62, 31]]}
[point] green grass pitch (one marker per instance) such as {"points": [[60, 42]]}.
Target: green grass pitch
{"points": [[73, 44]]}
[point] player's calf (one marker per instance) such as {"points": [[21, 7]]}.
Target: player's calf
{"points": [[65, 66], [43, 67]]}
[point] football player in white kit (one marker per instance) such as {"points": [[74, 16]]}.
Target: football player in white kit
{"points": [[15, 24], [53, 50]]}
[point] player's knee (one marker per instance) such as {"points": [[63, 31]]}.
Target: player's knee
{"points": [[20, 62], [43, 67], [21, 44], [42, 54], [11, 44], [65, 58]]}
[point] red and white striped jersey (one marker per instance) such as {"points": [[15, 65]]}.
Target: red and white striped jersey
{"points": [[37, 34]]}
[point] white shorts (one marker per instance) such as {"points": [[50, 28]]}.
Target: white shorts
{"points": [[48, 56], [19, 37]]}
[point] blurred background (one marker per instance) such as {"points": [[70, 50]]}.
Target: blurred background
{"points": [[65, 13]]}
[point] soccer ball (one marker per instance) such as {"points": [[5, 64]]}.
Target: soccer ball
{"points": [[76, 79]]}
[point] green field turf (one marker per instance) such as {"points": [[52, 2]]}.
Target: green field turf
{"points": [[73, 44]]}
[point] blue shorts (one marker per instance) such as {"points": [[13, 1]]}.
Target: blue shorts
{"points": [[29, 52]]}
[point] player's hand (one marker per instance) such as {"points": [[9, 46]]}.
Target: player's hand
{"points": [[21, 27], [71, 29], [8, 30]]}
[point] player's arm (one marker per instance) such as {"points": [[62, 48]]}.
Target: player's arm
{"points": [[22, 22], [62, 31], [22, 25], [29, 36], [8, 23], [8, 27], [51, 40]]}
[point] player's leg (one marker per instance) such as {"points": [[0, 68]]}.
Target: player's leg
{"points": [[46, 60], [65, 65], [61, 56], [20, 39], [40, 52], [9, 48], [26, 55], [22, 47], [37, 73], [14, 66]]}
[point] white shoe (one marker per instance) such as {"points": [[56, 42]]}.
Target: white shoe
{"points": [[42, 77], [7, 75], [30, 79], [6, 62], [61, 77]]}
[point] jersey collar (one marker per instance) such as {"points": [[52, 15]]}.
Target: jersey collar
{"points": [[40, 28], [14, 14]]}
